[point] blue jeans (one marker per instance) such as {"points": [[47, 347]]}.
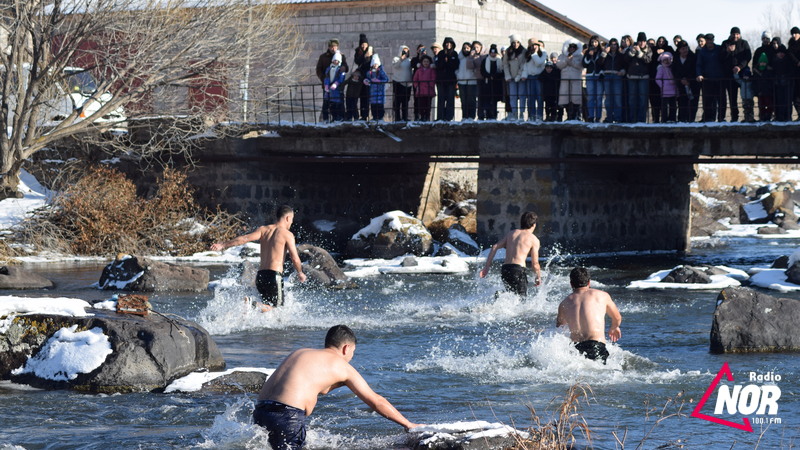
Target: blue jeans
{"points": [[517, 93], [535, 107], [637, 99], [612, 84], [594, 97]]}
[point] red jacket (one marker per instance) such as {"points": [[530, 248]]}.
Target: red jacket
{"points": [[425, 82]]}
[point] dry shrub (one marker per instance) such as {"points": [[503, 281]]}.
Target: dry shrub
{"points": [[101, 214], [561, 431], [727, 176], [706, 181]]}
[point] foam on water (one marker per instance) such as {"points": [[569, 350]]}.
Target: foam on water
{"points": [[234, 429], [398, 302], [549, 357]]}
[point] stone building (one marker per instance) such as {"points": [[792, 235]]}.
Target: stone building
{"points": [[391, 23]]}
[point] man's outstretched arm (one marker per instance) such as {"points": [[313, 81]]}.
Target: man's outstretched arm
{"points": [[359, 386], [240, 240]]}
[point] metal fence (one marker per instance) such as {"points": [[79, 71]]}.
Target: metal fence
{"points": [[754, 101]]}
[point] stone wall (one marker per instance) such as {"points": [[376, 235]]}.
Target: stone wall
{"points": [[492, 22]]}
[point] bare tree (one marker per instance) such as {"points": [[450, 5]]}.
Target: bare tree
{"points": [[779, 21], [186, 64]]}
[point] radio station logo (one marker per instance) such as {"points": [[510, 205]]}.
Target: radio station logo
{"points": [[755, 399]]}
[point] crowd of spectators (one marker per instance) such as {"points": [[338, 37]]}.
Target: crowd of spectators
{"points": [[623, 80]]}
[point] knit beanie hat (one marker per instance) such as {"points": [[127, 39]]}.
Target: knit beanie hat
{"points": [[515, 37], [337, 57], [362, 39], [641, 37]]}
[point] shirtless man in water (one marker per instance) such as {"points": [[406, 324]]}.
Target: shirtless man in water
{"points": [[290, 393], [276, 240], [585, 312], [519, 244]]}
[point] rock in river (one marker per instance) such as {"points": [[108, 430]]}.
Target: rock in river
{"points": [[748, 321]]}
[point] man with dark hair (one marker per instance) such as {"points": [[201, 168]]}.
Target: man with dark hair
{"points": [[518, 244], [584, 312], [276, 240], [290, 394]]}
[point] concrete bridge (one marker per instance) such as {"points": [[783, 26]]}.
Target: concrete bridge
{"points": [[596, 187]]}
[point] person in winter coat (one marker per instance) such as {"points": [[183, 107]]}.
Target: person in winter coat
{"points": [[376, 79], [637, 60], [793, 52], [513, 68], [592, 62], [492, 83], [424, 87], [612, 66], [535, 59], [737, 63], [684, 66], [446, 66], [762, 74], [324, 61], [783, 69], [570, 91], [467, 84], [333, 86], [710, 74], [361, 59], [668, 89], [474, 64], [353, 87], [401, 83], [661, 46], [551, 82]]}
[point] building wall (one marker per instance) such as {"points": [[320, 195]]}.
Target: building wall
{"points": [[494, 21]]}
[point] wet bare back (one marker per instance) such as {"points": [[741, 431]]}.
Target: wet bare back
{"points": [[585, 313], [305, 374], [519, 244], [274, 245]]}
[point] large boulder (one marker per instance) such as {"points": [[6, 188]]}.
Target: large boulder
{"points": [[688, 274], [321, 268], [146, 353], [390, 235], [775, 203], [12, 277], [793, 268], [130, 273], [746, 320]]}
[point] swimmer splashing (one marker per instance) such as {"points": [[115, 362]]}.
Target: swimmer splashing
{"points": [[585, 311]]}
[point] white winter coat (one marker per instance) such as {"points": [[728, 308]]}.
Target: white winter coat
{"points": [[571, 88], [401, 68]]}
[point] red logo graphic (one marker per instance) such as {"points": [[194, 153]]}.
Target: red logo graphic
{"points": [[725, 370]]}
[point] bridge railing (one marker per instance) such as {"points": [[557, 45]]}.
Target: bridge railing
{"points": [[592, 100]]}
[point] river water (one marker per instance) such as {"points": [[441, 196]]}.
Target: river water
{"points": [[441, 348]]}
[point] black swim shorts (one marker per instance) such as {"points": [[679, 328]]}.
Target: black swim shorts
{"points": [[285, 424], [515, 279], [593, 350], [270, 285]]}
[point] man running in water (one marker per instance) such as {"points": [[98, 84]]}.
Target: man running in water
{"points": [[519, 244], [290, 393], [585, 312], [276, 240]]}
